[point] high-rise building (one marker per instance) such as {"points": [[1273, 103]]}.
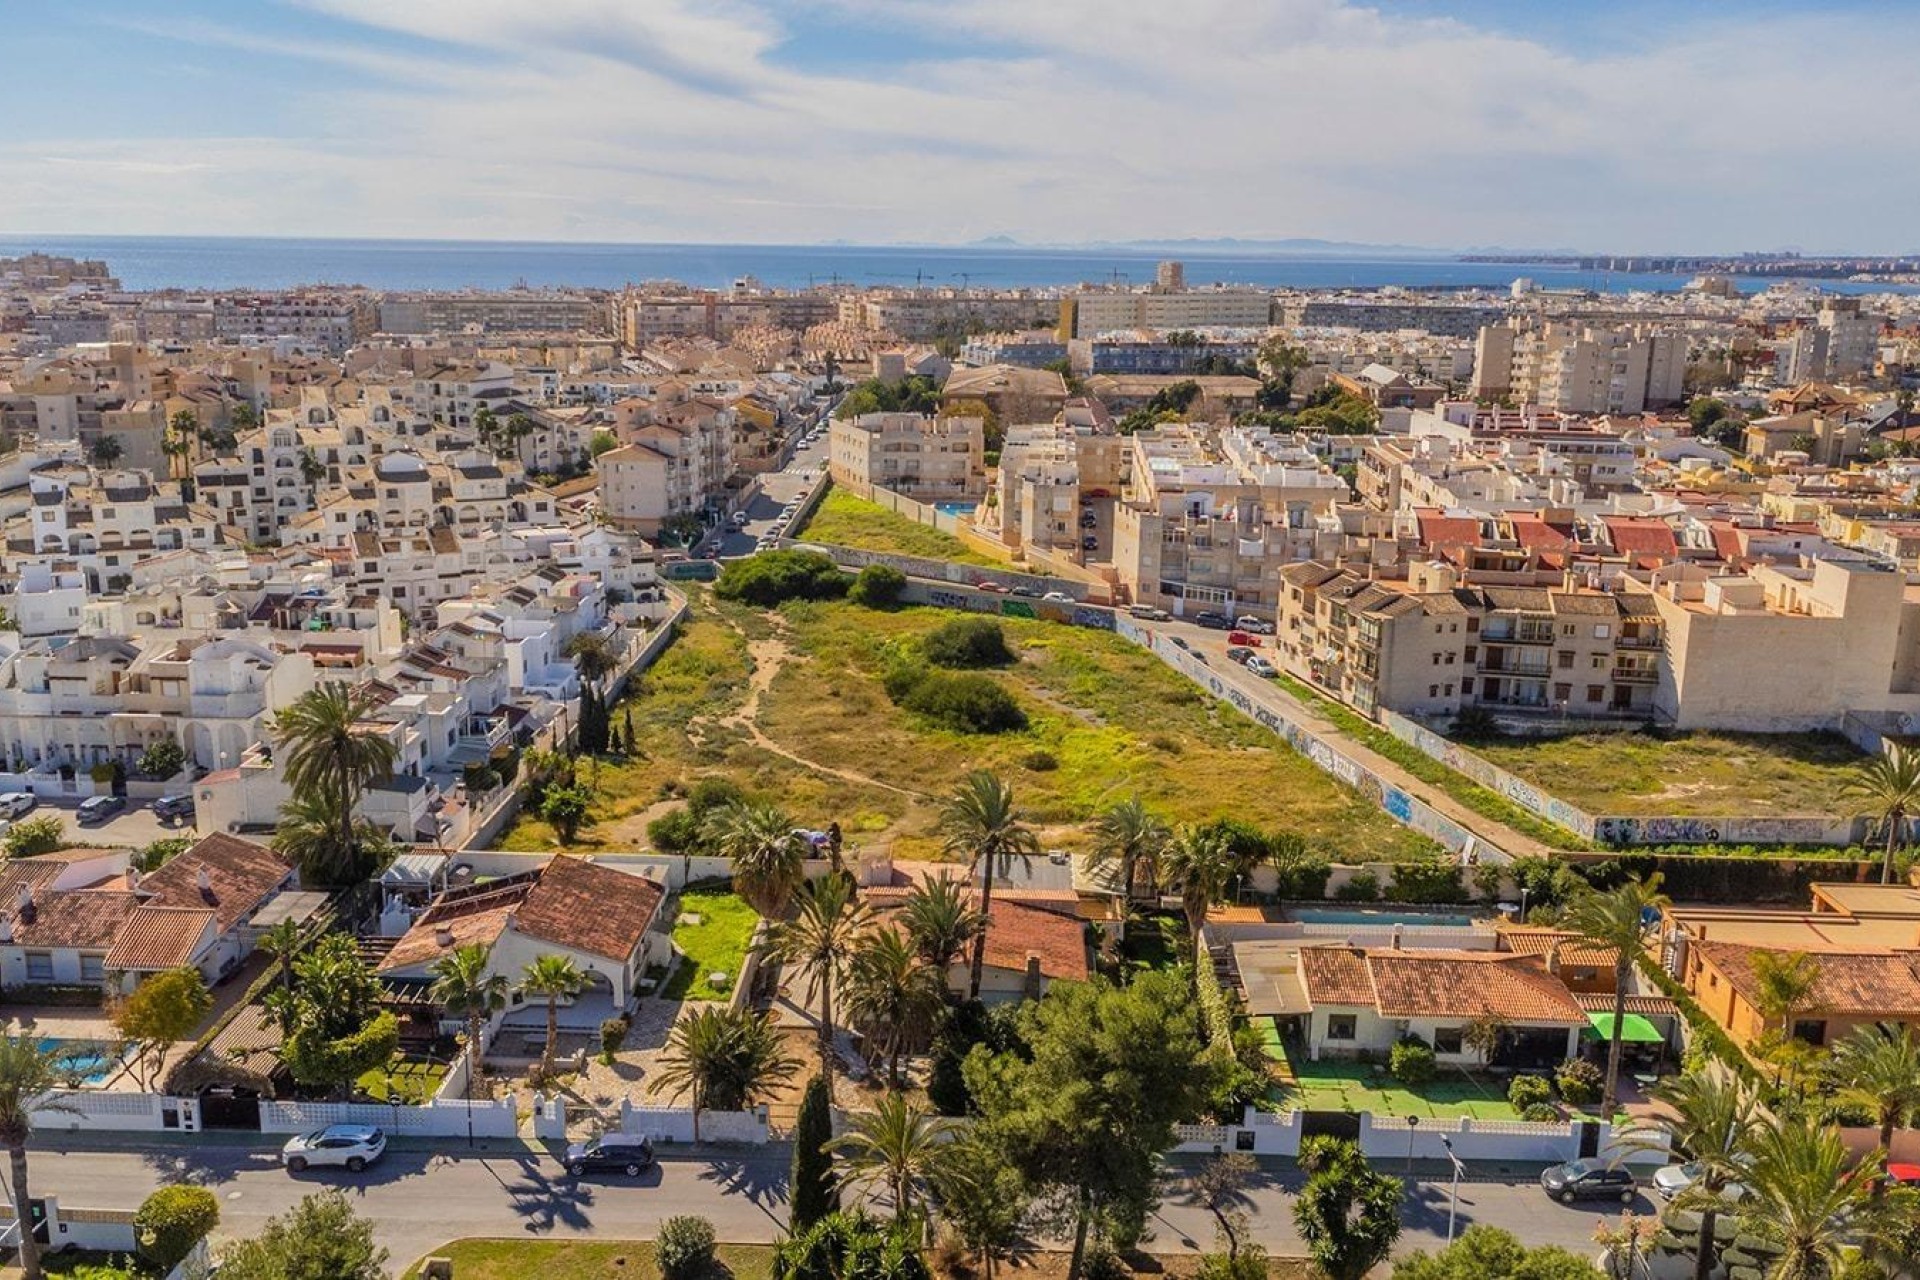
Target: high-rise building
{"points": [[1576, 368]]}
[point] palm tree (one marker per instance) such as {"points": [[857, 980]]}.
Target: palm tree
{"points": [[819, 942], [282, 941], [1712, 1115], [898, 1144], [28, 1076], [769, 860], [330, 755], [980, 823], [464, 984], [1129, 834], [892, 996], [1888, 786], [309, 836], [1879, 1067], [1201, 861], [941, 921], [1811, 1196], [728, 1059], [1785, 982], [554, 977], [1620, 920], [593, 656]]}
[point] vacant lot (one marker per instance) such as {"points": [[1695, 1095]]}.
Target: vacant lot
{"points": [[1705, 774], [586, 1260], [711, 934], [843, 520]]}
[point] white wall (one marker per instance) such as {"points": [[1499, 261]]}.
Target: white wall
{"points": [[1270, 1134], [440, 1119]]}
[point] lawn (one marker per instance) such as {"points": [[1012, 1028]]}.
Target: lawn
{"points": [[584, 1260], [405, 1080], [843, 520], [1335, 1085], [1689, 774], [717, 944]]}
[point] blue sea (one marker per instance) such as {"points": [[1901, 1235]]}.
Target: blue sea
{"points": [[233, 262]]}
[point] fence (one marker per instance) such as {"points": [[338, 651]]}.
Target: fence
{"points": [[676, 1124], [437, 1119], [75, 1110], [1385, 1138]]}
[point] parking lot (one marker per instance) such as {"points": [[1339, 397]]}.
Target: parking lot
{"points": [[134, 827]]}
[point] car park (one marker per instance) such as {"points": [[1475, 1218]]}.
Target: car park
{"points": [[1588, 1180], [345, 1146], [100, 808], [174, 806], [1212, 621], [610, 1153], [17, 804]]}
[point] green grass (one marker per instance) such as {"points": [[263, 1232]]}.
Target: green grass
{"points": [[1156, 941], [718, 944], [1687, 774], [843, 520], [405, 1081], [584, 1260], [1331, 1085]]}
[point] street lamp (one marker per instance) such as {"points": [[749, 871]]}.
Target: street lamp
{"points": [[1413, 1123], [1453, 1204]]}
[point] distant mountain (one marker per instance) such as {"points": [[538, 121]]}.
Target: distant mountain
{"points": [[1302, 246]]}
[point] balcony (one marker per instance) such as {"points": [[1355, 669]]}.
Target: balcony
{"points": [[1523, 635], [1636, 675], [1637, 642]]}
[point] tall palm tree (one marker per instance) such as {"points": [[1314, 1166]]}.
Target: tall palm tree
{"points": [[282, 941], [28, 1075], [1128, 833], [979, 822], [1879, 1068], [1621, 920], [892, 997], [727, 1059], [941, 921], [769, 860], [330, 755], [1888, 787], [554, 977], [309, 836], [465, 985], [1813, 1198], [819, 942], [896, 1143], [1201, 861], [593, 657], [1712, 1115]]}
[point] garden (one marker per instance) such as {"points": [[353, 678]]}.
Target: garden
{"points": [[711, 934], [842, 520]]}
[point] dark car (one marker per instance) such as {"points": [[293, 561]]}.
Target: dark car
{"points": [[1239, 654], [1213, 621], [613, 1152], [100, 808], [180, 806], [1030, 593], [1588, 1180]]}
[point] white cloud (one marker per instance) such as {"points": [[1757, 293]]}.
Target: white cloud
{"points": [[1064, 120]]}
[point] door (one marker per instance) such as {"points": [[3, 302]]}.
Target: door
{"points": [[230, 1109]]}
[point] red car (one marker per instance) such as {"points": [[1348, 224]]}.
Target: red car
{"points": [[1906, 1175], [1243, 638]]}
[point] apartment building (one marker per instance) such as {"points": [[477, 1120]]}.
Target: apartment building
{"points": [[1375, 314], [1047, 472], [1580, 368], [1842, 342], [514, 310], [1015, 395], [1088, 313], [928, 458], [921, 315]]}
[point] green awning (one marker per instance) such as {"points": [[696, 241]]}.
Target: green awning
{"points": [[1635, 1030]]}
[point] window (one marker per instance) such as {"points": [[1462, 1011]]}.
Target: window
{"points": [[1472, 654], [1340, 1026], [1447, 1040], [1602, 631], [93, 968], [1811, 1030], [1561, 692], [1596, 693], [39, 966], [1473, 625], [1564, 659], [1449, 659], [1436, 659], [1567, 630], [1449, 689], [1433, 691], [1599, 662]]}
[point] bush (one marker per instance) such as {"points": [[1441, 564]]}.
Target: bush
{"points": [[1412, 1061], [1528, 1091], [967, 644], [1579, 1081], [613, 1032], [878, 586], [163, 759], [1303, 878], [1541, 1113], [675, 832], [43, 834], [1426, 882], [177, 1218], [775, 577], [1364, 887], [684, 1248], [1102, 1263], [965, 702], [1039, 762], [1249, 1264]]}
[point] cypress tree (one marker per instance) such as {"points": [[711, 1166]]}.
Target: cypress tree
{"points": [[812, 1192]]}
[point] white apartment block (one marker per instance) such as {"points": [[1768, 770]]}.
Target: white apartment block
{"points": [[927, 458], [1580, 368]]}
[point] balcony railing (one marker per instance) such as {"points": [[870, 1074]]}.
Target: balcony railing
{"points": [[1637, 642], [1636, 675]]}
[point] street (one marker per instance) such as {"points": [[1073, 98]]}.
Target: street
{"points": [[777, 488], [420, 1199]]}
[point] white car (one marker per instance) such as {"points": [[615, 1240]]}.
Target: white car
{"points": [[1260, 666], [17, 804], [1058, 597], [1254, 625], [348, 1146], [1676, 1178]]}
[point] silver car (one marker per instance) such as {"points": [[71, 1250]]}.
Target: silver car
{"points": [[17, 804], [348, 1146]]}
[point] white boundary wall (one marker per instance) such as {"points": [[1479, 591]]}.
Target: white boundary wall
{"points": [[1382, 1137]]}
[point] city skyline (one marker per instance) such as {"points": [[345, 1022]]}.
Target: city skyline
{"points": [[1445, 125]]}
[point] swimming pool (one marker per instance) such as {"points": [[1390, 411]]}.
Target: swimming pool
{"points": [[86, 1060], [1380, 919], [956, 508]]}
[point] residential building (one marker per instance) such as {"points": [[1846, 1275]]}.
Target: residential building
{"points": [[928, 458], [1580, 368]]}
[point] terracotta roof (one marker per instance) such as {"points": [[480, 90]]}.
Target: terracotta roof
{"points": [[1602, 1002], [421, 944], [1850, 983], [1336, 975], [1437, 529], [590, 908], [1640, 536], [158, 938], [242, 875], [1469, 984], [26, 873], [1539, 942], [1016, 931], [88, 919]]}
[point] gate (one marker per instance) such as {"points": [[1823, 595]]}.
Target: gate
{"points": [[1329, 1124], [230, 1109]]}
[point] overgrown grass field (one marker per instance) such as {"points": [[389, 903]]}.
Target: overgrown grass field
{"points": [[843, 520]]}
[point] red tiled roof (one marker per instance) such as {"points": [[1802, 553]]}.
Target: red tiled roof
{"points": [[1336, 975], [157, 938], [1437, 530], [87, 919], [1640, 536], [1540, 942], [241, 877], [1016, 931], [1469, 984], [1849, 983], [1536, 534], [421, 944], [586, 907]]}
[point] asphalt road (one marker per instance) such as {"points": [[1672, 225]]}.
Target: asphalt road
{"points": [[420, 1199], [777, 488]]}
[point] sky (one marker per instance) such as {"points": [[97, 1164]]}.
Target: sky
{"points": [[1634, 126]]}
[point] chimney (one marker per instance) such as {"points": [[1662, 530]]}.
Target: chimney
{"points": [[203, 880], [1553, 957], [6, 928], [1398, 935], [26, 900], [1030, 987], [443, 935], [133, 879]]}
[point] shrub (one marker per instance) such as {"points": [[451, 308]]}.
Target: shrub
{"points": [[177, 1218], [675, 832], [775, 577], [684, 1248], [1412, 1061], [878, 586], [613, 1033], [479, 778], [1363, 887], [1249, 1264], [967, 644], [965, 702], [1302, 877], [35, 835], [1528, 1091], [163, 759], [1541, 1113], [1579, 1081], [1102, 1263], [1040, 762], [1426, 882]]}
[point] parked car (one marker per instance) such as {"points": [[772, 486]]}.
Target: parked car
{"points": [[1246, 638], [1089, 543], [1239, 654], [1148, 612], [739, 519], [349, 1146], [1058, 597], [611, 1152], [1247, 622], [1088, 520], [100, 808], [17, 804], [180, 806], [1588, 1180], [1212, 621], [1261, 667], [1676, 1178], [1179, 642], [1031, 593], [994, 587]]}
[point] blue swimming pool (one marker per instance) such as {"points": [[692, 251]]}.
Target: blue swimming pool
{"points": [[956, 508], [85, 1060], [1379, 919]]}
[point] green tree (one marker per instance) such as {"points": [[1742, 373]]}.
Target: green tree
{"points": [[724, 1059], [331, 755], [1348, 1215], [1201, 861], [1129, 834], [813, 1191], [841, 1246], [896, 1145], [283, 941], [310, 837], [818, 942], [161, 1010], [602, 442], [877, 586], [1488, 1253], [979, 822], [983, 1200], [940, 919], [594, 657], [31, 836], [892, 997], [1879, 1068], [29, 1075], [553, 978], [1087, 1116], [171, 1221], [321, 1238], [1808, 1197], [465, 985], [1621, 920], [1711, 1114], [1888, 789], [106, 450], [1785, 982], [332, 1027], [769, 859], [183, 429], [566, 809], [163, 759]]}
